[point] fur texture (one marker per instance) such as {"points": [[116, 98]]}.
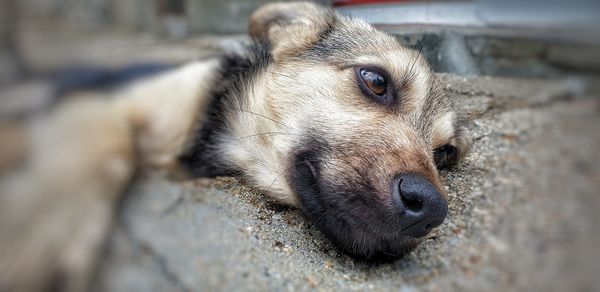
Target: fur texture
{"points": [[289, 115], [292, 120]]}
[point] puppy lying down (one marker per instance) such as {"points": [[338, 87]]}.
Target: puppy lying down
{"points": [[321, 112]]}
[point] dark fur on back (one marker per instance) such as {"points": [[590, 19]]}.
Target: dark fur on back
{"points": [[101, 79]]}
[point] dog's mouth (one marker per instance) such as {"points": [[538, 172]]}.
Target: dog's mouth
{"points": [[353, 221]]}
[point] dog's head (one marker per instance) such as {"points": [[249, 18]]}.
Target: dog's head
{"points": [[350, 126]]}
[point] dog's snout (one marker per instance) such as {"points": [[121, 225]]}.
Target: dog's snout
{"points": [[421, 206]]}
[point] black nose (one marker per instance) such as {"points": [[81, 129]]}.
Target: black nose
{"points": [[421, 206]]}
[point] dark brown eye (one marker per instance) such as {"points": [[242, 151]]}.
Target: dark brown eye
{"points": [[374, 81]]}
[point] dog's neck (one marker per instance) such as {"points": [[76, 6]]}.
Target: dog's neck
{"points": [[239, 130], [208, 150]]}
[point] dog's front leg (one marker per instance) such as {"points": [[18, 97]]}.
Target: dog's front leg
{"points": [[56, 215]]}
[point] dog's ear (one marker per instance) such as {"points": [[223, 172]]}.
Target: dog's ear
{"points": [[463, 141], [450, 154], [290, 27]]}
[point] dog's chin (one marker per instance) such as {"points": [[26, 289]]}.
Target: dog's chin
{"points": [[369, 239], [362, 243]]}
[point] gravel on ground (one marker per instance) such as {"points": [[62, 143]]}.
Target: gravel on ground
{"points": [[523, 206]]}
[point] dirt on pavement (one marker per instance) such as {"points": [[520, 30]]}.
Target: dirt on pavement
{"points": [[522, 211]]}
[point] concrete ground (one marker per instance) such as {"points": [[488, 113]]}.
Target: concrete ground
{"points": [[523, 206]]}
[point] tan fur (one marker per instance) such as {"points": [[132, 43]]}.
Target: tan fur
{"points": [[443, 129], [164, 111], [86, 152], [295, 93], [13, 142], [83, 156], [291, 26]]}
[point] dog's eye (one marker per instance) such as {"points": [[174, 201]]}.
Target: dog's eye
{"points": [[374, 81], [445, 156], [375, 84]]}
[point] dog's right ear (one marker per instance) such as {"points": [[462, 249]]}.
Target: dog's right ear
{"points": [[290, 27]]}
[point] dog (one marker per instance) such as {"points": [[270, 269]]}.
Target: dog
{"points": [[321, 112]]}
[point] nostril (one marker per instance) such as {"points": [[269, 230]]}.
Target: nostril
{"points": [[431, 225], [409, 203], [413, 205]]}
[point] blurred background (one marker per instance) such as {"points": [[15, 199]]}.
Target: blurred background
{"points": [[524, 205], [480, 37]]}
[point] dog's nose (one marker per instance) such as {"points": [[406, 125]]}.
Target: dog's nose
{"points": [[421, 206]]}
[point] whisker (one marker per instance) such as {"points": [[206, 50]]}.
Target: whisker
{"points": [[278, 171], [303, 81], [410, 72], [266, 133], [257, 114]]}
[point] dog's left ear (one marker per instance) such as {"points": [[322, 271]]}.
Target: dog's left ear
{"points": [[290, 27]]}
